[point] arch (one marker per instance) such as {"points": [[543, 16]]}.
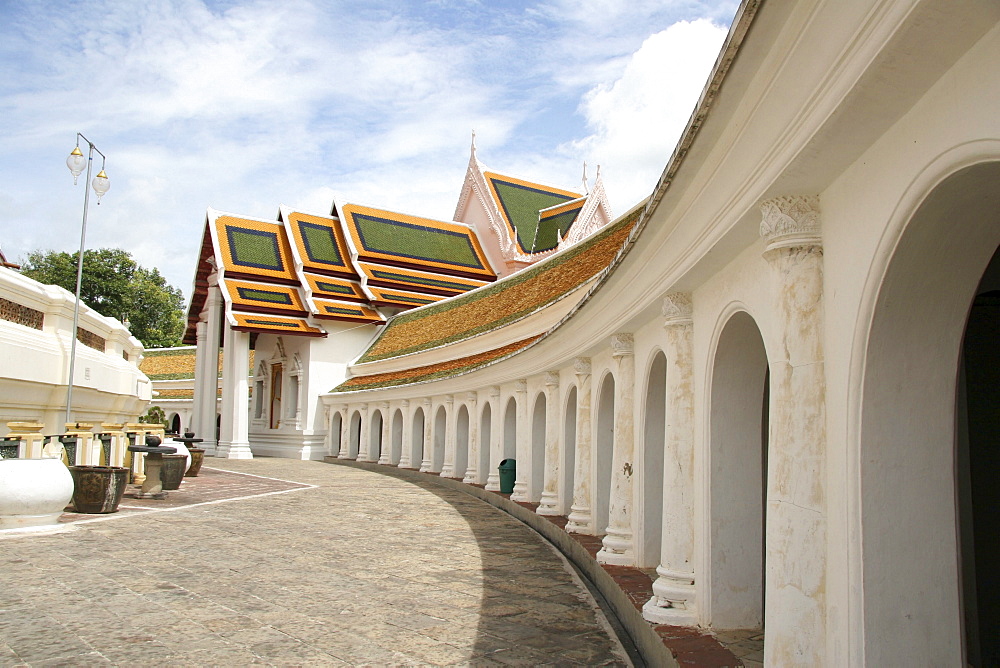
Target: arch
{"points": [[536, 482], [509, 450], [375, 436], [913, 413], [354, 438], [175, 423], [336, 426], [462, 442], [567, 466], [396, 437], [485, 440], [654, 430], [417, 438], [737, 470], [604, 443], [440, 435]]}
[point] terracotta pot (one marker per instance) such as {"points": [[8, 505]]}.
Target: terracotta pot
{"points": [[197, 459], [172, 471], [98, 489]]}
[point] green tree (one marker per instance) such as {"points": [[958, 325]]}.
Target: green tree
{"points": [[115, 285]]}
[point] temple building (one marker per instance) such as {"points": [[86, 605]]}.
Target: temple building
{"points": [[775, 381]]}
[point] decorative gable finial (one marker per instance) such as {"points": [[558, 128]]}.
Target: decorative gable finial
{"points": [[473, 144], [586, 188]]}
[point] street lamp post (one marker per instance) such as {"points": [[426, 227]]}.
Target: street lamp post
{"points": [[100, 184]]}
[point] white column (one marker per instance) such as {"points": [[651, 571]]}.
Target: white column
{"points": [[549, 504], [428, 450], [385, 457], [345, 431], [472, 468], [795, 532], [618, 543], [405, 460], [234, 440], [207, 386], [522, 443], [496, 442], [448, 465], [365, 436], [674, 594], [200, 353], [581, 519]]}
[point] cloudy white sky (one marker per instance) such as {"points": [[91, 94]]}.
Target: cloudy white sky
{"points": [[243, 106]]}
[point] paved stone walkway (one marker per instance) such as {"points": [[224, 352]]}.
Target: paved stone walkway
{"points": [[361, 569]]}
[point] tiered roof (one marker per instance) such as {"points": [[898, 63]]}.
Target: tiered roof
{"points": [[291, 275]]}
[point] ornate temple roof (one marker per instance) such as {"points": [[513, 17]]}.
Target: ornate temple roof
{"points": [[537, 216], [291, 275]]}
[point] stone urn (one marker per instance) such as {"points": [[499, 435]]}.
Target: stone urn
{"points": [[172, 471], [98, 489], [33, 492]]}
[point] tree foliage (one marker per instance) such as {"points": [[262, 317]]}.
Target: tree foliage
{"points": [[115, 285]]}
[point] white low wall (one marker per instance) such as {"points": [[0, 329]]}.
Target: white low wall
{"points": [[36, 321]]}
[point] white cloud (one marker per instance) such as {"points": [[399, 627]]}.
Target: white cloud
{"points": [[637, 119]]}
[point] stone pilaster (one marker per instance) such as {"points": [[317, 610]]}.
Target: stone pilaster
{"points": [[618, 546], [674, 593], [550, 503], [385, 456], [795, 543], [581, 519], [448, 465], [472, 466], [522, 443], [406, 447], [428, 453], [345, 432], [495, 444]]}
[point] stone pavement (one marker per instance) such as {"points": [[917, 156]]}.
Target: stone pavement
{"points": [[354, 569]]}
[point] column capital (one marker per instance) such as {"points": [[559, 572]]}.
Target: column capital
{"points": [[521, 386], [494, 391], [677, 309], [471, 398], [622, 343], [792, 220], [581, 365], [450, 400], [405, 403], [552, 378], [384, 405], [426, 402]]}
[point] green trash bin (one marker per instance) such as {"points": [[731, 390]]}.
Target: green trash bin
{"points": [[507, 471]]}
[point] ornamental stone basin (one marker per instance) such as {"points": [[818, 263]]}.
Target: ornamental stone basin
{"points": [[33, 492]]}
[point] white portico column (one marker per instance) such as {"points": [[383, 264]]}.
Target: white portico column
{"points": [[496, 420], [795, 539], [580, 519], [448, 465], [207, 381], [428, 454], [522, 443], [549, 504], [472, 470], [200, 353], [234, 441], [674, 599], [364, 438], [406, 447], [618, 548], [385, 457], [345, 431]]}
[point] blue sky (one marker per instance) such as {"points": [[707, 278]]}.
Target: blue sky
{"points": [[243, 106]]}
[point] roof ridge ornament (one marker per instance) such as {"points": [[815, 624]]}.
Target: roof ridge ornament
{"points": [[586, 188]]}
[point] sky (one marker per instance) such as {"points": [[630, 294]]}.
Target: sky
{"points": [[245, 106]]}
